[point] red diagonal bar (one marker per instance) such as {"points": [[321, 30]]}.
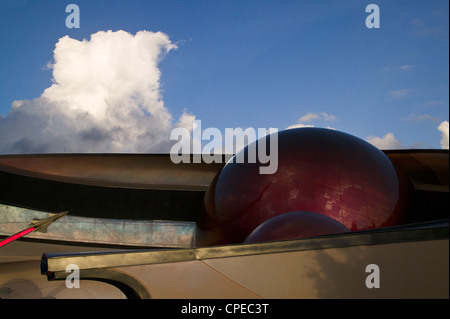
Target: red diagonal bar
{"points": [[16, 236]]}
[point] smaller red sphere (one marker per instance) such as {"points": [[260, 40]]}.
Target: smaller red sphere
{"points": [[295, 225]]}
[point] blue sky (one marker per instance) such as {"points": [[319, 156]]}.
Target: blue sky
{"points": [[262, 63]]}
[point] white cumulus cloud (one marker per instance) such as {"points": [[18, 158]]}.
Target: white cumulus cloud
{"points": [[309, 117], [386, 142], [105, 97], [443, 128]]}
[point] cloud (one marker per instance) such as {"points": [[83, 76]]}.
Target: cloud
{"points": [[390, 142], [308, 117], [435, 103], [422, 117], [386, 142], [406, 67], [298, 126], [443, 128], [399, 93], [105, 97], [435, 27]]}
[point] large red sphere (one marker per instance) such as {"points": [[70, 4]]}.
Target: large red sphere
{"points": [[319, 170], [294, 225]]}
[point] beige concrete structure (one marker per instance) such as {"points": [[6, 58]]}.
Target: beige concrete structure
{"points": [[412, 264]]}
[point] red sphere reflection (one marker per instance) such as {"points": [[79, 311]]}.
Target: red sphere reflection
{"points": [[319, 170], [295, 225]]}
